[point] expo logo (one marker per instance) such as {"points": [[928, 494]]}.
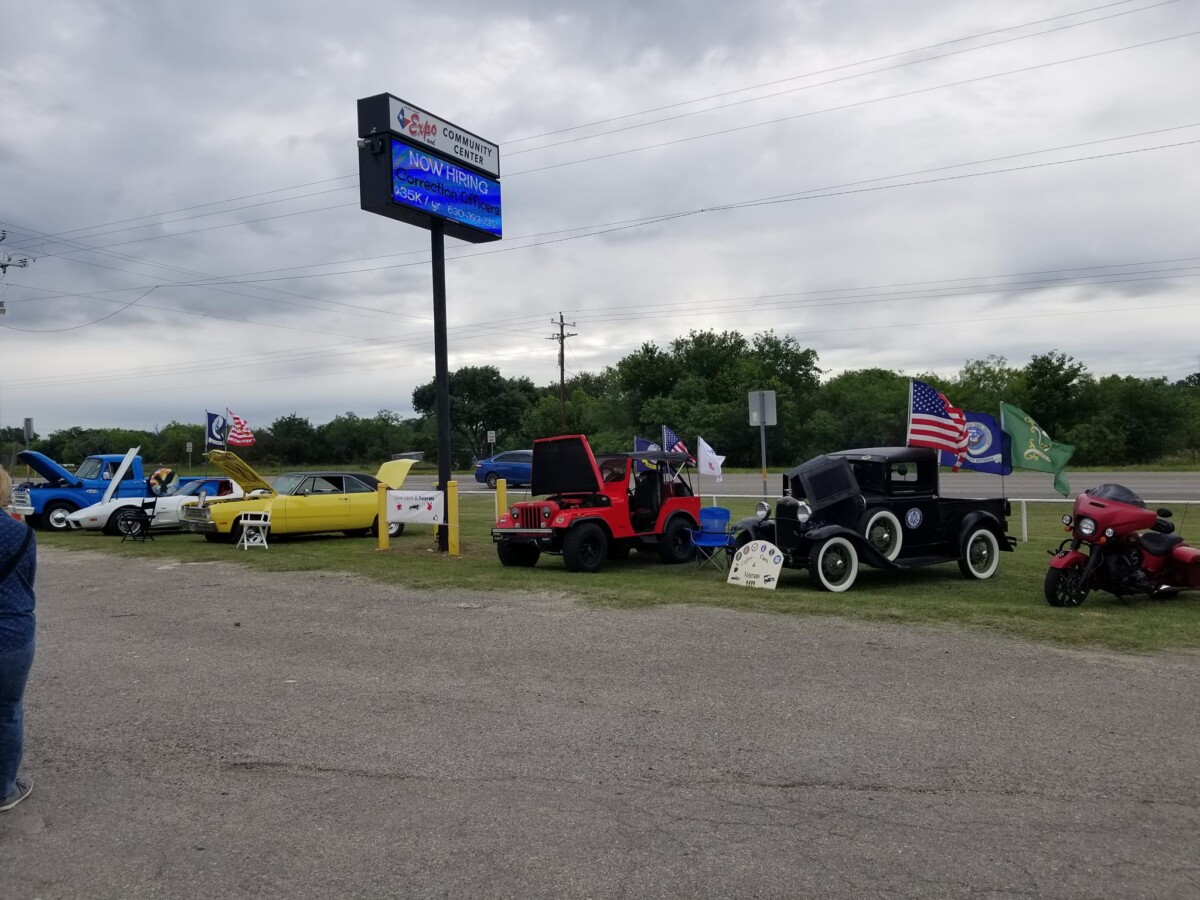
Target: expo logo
{"points": [[414, 126]]}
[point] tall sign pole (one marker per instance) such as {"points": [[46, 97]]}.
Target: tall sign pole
{"points": [[423, 170], [762, 414], [441, 369]]}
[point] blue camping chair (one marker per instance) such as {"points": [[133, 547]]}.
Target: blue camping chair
{"points": [[711, 539]]}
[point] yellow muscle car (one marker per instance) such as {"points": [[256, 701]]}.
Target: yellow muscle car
{"points": [[299, 502]]}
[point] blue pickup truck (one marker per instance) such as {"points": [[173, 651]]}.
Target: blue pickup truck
{"points": [[47, 505]]}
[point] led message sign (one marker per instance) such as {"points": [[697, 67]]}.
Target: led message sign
{"points": [[436, 186], [419, 169]]}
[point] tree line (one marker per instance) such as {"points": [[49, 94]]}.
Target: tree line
{"points": [[699, 385]]}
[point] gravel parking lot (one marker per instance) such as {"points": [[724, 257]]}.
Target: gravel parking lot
{"points": [[208, 731]]}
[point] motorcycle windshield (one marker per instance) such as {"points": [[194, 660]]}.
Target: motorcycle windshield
{"points": [[1116, 492]]}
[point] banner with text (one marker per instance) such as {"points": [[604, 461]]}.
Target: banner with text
{"points": [[421, 507]]}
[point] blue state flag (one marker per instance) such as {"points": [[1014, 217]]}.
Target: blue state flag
{"points": [[214, 434], [987, 447], [642, 445]]}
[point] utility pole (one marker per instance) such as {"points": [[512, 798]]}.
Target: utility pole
{"points": [[561, 337], [6, 260]]}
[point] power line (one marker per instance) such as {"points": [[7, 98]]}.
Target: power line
{"points": [[826, 71], [809, 194], [839, 80], [951, 289], [676, 141], [655, 109], [853, 105]]}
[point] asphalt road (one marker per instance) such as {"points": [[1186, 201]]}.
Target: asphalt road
{"points": [[209, 731]]}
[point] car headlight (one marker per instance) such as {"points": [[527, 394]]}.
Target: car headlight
{"points": [[803, 512], [1067, 520], [762, 510], [513, 512], [1086, 526], [545, 512]]}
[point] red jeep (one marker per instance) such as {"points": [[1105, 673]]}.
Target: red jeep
{"points": [[599, 507]]}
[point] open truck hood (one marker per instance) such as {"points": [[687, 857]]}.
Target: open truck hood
{"points": [[564, 465], [48, 469], [237, 469]]}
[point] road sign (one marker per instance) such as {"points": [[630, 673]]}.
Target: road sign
{"points": [[762, 408]]}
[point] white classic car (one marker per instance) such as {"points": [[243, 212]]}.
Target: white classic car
{"points": [[164, 511]]}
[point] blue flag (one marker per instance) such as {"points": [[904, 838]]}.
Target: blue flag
{"points": [[214, 434], [987, 447], [641, 445]]}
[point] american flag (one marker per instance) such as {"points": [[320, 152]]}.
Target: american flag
{"points": [[933, 422], [673, 444], [240, 434]]}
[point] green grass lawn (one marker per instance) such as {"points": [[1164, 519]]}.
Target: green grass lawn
{"points": [[1010, 603]]}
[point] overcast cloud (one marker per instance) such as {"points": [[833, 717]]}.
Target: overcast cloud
{"points": [[184, 179]]}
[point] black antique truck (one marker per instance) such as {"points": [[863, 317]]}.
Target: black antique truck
{"points": [[879, 506]]}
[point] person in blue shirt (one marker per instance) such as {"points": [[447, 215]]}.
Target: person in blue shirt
{"points": [[18, 564]]}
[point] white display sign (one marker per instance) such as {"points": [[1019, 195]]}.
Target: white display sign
{"points": [[419, 125], [756, 565], [421, 507]]}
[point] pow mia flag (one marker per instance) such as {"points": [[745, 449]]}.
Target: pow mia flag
{"points": [[214, 435]]}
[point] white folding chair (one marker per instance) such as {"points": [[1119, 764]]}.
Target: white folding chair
{"points": [[255, 527]]}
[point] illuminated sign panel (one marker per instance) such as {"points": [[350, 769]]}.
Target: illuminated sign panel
{"points": [[417, 168], [433, 185]]}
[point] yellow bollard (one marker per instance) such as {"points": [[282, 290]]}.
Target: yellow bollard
{"points": [[452, 517], [501, 497], [384, 541]]}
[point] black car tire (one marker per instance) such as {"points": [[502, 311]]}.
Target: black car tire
{"points": [[523, 555], [54, 516], [1063, 587], [881, 528], [585, 548], [214, 537], [111, 527], [981, 555], [675, 546], [395, 529], [491, 480], [833, 564]]}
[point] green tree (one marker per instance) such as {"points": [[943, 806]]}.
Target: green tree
{"points": [[982, 384], [1054, 386], [870, 406], [292, 440], [481, 399]]}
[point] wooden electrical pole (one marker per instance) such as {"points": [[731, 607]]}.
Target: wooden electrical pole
{"points": [[561, 337]]}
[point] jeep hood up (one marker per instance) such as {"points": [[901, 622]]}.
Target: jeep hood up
{"points": [[237, 469], [564, 465], [49, 469]]}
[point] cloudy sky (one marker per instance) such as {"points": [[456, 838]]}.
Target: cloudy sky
{"points": [[901, 184]]}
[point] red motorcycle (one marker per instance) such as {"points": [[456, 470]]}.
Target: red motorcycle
{"points": [[1119, 546]]}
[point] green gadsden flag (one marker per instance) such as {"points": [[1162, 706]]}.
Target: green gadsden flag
{"points": [[1033, 449]]}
